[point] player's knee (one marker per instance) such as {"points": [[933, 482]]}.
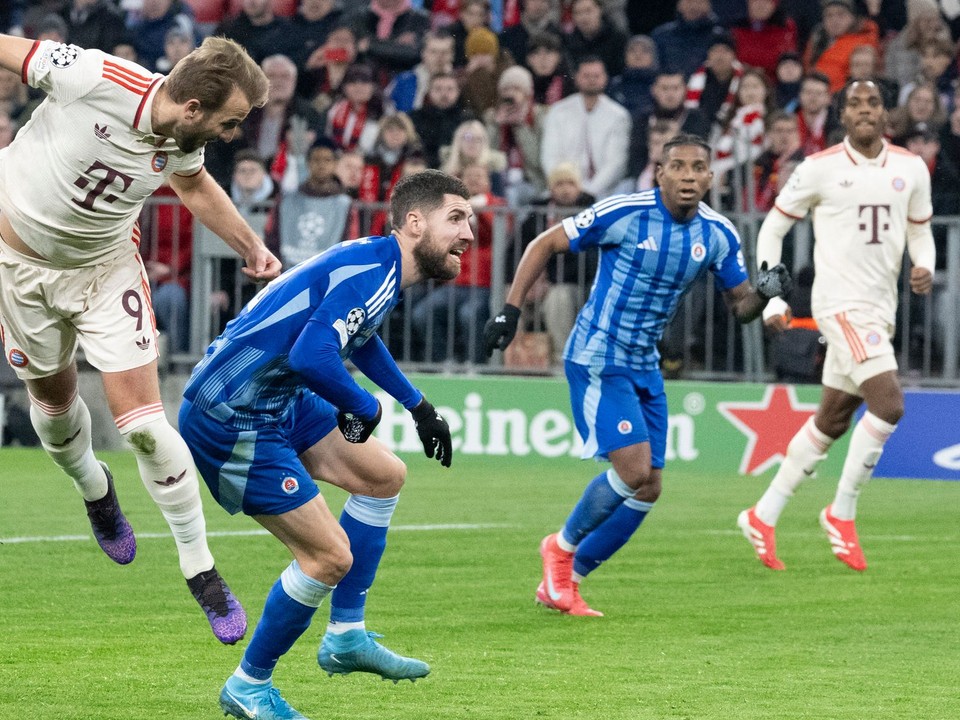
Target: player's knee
{"points": [[337, 561], [649, 491], [395, 475]]}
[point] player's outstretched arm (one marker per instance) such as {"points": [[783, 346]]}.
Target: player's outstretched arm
{"points": [[211, 205], [502, 327], [13, 51]]}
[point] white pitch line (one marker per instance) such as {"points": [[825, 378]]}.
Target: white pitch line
{"points": [[242, 533], [892, 538]]}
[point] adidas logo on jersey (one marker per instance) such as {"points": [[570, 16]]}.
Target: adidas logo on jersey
{"points": [[100, 132], [649, 244], [143, 343]]}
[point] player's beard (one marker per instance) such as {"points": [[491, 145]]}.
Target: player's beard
{"points": [[434, 260]]}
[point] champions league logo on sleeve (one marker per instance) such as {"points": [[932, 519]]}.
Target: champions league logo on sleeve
{"points": [[354, 320], [63, 56], [585, 218]]}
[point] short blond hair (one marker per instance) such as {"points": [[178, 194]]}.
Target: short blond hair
{"points": [[212, 71]]}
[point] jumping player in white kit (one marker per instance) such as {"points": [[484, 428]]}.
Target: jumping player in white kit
{"points": [[72, 185], [870, 200]]}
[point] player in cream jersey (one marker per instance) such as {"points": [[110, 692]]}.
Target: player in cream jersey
{"points": [[92, 153], [72, 185], [870, 201]]}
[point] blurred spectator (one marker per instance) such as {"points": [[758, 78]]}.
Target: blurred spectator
{"points": [[473, 14], [321, 78], [937, 67], [789, 74], [316, 215], [176, 45], [593, 35], [561, 293], [668, 93], [52, 27], [832, 41], [944, 175], [251, 184], [537, 17], [865, 65], [682, 44], [471, 146], [485, 64], [8, 128], [922, 110], [515, 127], [764, 35], [440, 116], [349, 172], [741, 141], [351, 122], [816, 119], [11, 16], [781, 155], [14, 99], [590, 130], [396, 139], [551, 79], [712, 89], [310, 27], [448, 321], [389, 35], [409, 89], [631, 88], [259, 30], [96, 24], [902, 54], [658, 132], [32, 12], [149, 31]]}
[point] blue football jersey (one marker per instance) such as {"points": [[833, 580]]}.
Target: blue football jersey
{"points": [[295, 333], [648, 260]]}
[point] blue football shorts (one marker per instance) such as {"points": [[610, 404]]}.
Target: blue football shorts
{"points": [[258, 471], [615, 407]]}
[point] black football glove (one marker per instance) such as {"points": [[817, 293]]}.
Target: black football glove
{"points": [[500, 330], [354, 428], [775, 282], [434, 432]]}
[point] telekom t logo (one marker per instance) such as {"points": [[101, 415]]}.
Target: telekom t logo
{"points": [[101, 186], [873, 222]]}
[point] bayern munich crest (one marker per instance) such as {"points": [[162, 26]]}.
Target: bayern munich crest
{"points": [[18, 358], [873, 338], [898, 184], [354, 320], [64, 55], [159, 161], [290, 485]]}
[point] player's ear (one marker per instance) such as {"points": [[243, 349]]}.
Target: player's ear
{"points": [[192, 108], [415, 222]]}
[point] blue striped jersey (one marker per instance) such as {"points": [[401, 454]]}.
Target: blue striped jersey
{"points": [[323, 310], [648, 260]]}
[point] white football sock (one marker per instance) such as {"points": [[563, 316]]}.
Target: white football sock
{"points": [[168, 472], [805, 452], [866, 446], [64, 431]]}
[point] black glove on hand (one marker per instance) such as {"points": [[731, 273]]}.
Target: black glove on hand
{"points": [[500, 330], [773, 282], [434, 432], [354, 428]]}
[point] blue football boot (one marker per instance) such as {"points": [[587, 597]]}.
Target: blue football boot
{"points": [[255, 702], [358, 651]]}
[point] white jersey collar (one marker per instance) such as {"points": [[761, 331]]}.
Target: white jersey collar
{"points": [[858, 158]]}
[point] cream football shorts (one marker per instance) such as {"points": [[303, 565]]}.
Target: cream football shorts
{"points": [[858, 348], [46, 312]]}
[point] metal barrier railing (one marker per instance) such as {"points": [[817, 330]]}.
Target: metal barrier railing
{"points": [[439, 329]]}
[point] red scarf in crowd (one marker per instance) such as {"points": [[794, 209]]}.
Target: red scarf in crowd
{"points": [[341, 114], [698, 82]]}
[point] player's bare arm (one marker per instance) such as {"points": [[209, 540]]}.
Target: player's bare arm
{"points": [[744, 302], [13, 51], [921, 280], [210, 204], [776, 314], [535, 258]]}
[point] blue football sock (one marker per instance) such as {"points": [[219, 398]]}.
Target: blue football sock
{"points": [[287, 613], [610, 536], [365, 520], [603, 495]]}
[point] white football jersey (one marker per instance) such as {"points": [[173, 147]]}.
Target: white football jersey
{"points": [[73, 181], [861, 207]]}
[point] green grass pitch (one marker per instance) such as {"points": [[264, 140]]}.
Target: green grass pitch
{"points": [[696, 628]]}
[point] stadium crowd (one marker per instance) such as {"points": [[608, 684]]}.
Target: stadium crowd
{"points": [[515, 97]]}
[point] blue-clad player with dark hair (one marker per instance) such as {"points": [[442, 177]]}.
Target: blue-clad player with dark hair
{"points": [[271, 408], [653, 246]]}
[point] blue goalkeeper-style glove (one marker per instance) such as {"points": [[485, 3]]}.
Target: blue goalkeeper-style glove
{"points": [[354, 428], [775, 282], [501, 329], [434, 432]]}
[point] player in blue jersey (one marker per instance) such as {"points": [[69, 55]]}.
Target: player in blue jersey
{"points": [[653, 246], [261, 414]]}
